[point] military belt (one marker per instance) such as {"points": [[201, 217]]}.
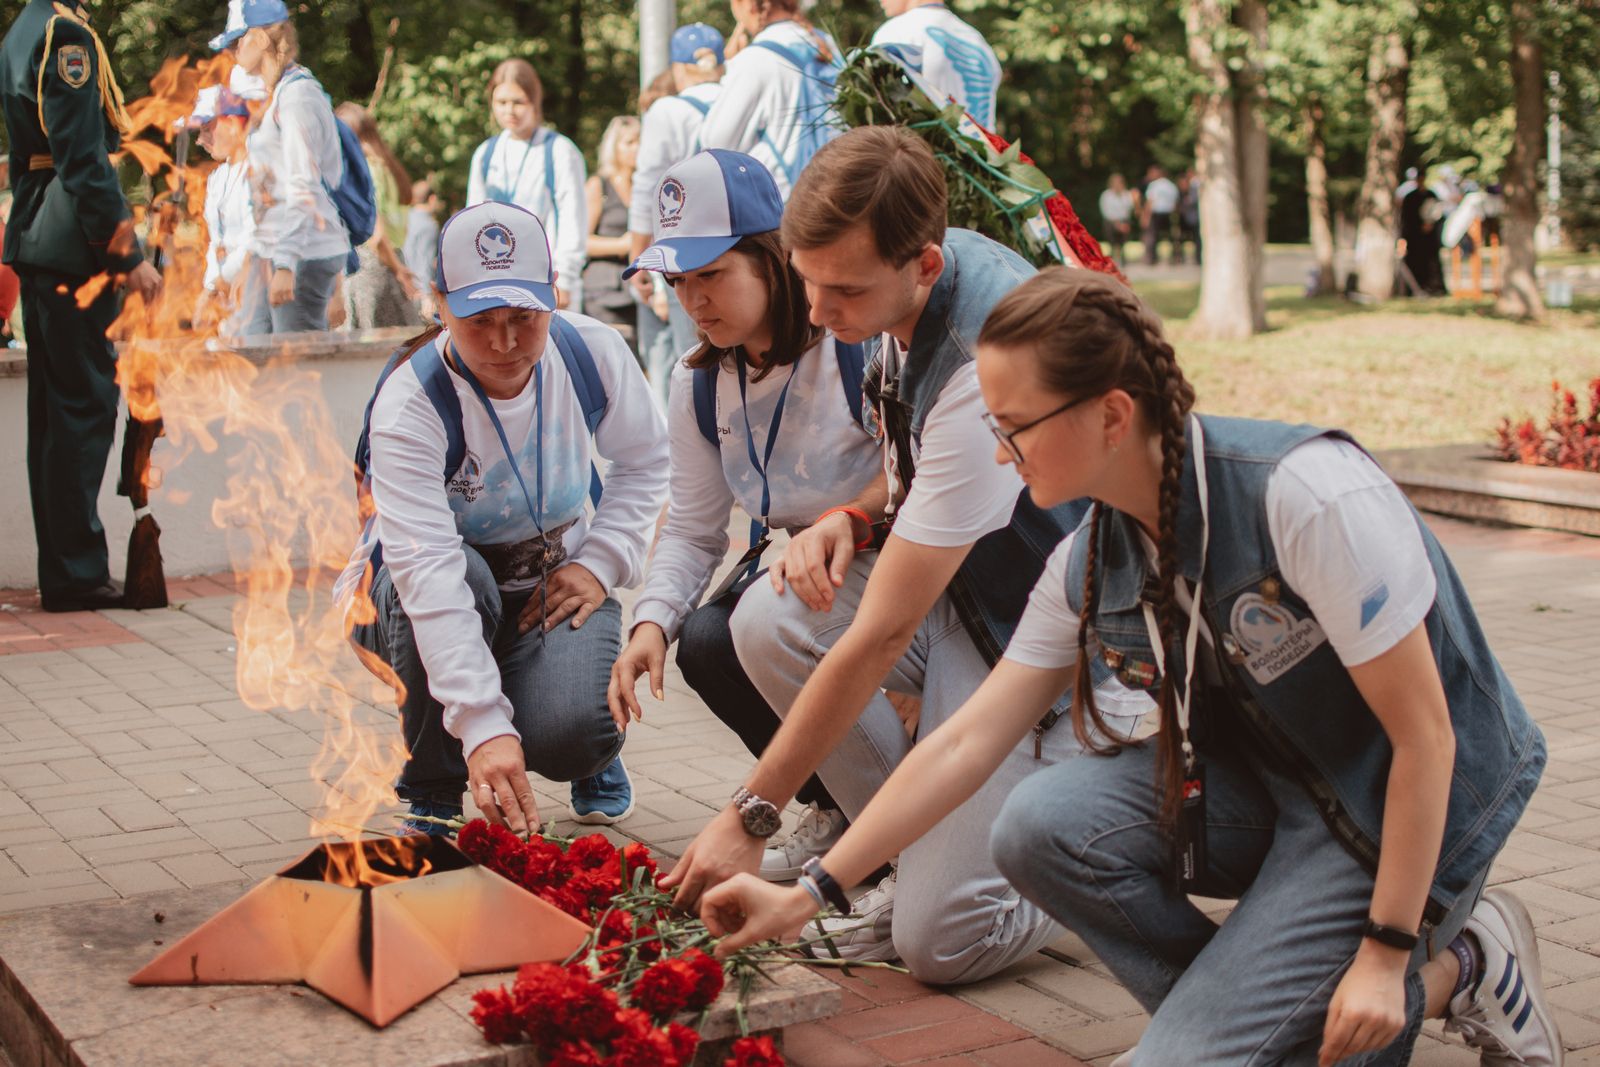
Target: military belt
{"points": [[43, 162]]}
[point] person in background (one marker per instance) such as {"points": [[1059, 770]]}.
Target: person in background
{"points": [[536, 168], [1117, 206], [223, 121], [670, 133], [1188, 216], [608, 193], [382, 291], [69, 222], [955, 58], [776, 102], [421, 249], [300, 244], [1160, 204]]}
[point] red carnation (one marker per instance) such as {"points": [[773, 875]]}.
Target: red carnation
{"points": [[591, 852], [754, 1052], [473, 840], [708, 978], [666, 988], [684, 1041], [555, 1002], [640, 1044], [495, 1012], [573, 1054], [635, 856]]}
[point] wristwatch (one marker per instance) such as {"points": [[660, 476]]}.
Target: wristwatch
{"points": [[1389, 935], [761, 817]]}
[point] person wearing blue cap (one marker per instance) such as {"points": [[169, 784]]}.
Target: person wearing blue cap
{"points": [[669, 134], [492, 584], [765, 413], [300, 243], [222, 120], [777, 96]]}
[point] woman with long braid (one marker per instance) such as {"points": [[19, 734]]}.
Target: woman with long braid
{"points": [[1338, 749]]}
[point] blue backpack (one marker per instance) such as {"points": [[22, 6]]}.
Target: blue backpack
{"points": [[423, 354], [355, 197], [814, 109], [852, 369]]}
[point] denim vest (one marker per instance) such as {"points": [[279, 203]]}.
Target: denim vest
{"points": [[1288, 684], [990, 589]]}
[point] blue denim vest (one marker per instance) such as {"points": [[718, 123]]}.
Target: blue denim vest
{"points": [[990, 590], [1285, 679]]}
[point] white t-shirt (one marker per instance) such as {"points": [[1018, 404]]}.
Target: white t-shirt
{"points": [[759, 111], [1162, 196], [1346, 542], [1115, 206], [960, 493], [669, 134], [822, 459], [517, 175], [956, 60], [230, 223], [422, 523], [294, 158]]}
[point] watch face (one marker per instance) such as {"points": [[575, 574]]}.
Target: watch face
{"points": [[762, 819]]}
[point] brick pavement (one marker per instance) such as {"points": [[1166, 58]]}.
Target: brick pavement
{"points": [[128, 765]]}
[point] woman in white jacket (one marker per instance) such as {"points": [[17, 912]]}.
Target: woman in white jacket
{"points": [[300, 243], [539, 170]]}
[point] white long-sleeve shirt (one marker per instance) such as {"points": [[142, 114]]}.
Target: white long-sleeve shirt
{"points": [[822, 459], [230, 223], [422, 523], [516, 175], [669, 134], [956, 60], [293, 151], [759, 111]]}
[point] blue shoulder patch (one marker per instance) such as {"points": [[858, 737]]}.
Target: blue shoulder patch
{"points": [[1373, 603]]}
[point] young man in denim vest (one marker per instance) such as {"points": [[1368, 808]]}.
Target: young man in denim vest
{"points": [[865, 229]]}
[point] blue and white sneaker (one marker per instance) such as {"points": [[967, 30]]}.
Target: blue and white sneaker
{"points": [[604, 798], [1505, 1016], [437, 809]]}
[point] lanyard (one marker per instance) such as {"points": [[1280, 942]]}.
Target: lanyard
{"points": [[772, 439], [1198, 450], [509, 194]]}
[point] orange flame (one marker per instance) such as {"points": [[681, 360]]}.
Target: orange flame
{"points": [[288, 493]]}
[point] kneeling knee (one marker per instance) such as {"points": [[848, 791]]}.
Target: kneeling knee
{"points": [[1022, 831]]}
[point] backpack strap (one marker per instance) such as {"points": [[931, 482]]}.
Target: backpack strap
{"points": [[705, 403], [363, 454], [699, 105], [488, 155], [441, 390], [852, 370], [550, 184], [585, 377]]}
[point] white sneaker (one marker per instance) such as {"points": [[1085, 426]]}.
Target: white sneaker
{"points": [[865, 934], [1505, 1017], [816, 833]]}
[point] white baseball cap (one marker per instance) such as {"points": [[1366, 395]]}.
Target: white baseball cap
{"points": [[704, 205], [495, 255]]}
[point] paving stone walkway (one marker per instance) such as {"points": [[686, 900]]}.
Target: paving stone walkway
{"points": [[128, 765]]}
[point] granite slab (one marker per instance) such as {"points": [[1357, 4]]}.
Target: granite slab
{"points": [[65, 1001], [1466, 482], [307, 346]]}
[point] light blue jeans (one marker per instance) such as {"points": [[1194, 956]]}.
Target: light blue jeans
{"points": [[955, 917], [557, 687], [314, 284], [1081, 840]]}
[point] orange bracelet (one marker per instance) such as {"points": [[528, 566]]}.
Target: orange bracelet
{"points": [[854, 513]]}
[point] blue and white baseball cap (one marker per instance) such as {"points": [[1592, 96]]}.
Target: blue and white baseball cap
{"points": [[704, 205], [495, 255], [246, 15], [215, 102], [690, 39]]}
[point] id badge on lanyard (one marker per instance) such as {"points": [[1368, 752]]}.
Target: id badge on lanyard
{"points": [[1190, 833]]}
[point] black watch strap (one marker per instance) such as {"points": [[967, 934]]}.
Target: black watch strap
{"points": [[1392, 936], [830, 888]]}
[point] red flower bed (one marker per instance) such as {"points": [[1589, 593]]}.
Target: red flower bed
{"points": [[1567, 439]]}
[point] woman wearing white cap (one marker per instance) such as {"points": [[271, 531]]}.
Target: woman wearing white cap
{"points": [[222, 119], [765, 413], [536, 168], [300, 242], [492, 591], [777, 95]]}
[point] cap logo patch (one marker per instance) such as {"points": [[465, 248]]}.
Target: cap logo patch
{"points": [[670, 202], [496, 247]]}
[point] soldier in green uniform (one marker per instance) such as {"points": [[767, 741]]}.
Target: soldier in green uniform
{"points": [[69, 222]]}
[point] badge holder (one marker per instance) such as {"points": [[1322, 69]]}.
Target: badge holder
{"points": [[1190, 832], [744, 568]]}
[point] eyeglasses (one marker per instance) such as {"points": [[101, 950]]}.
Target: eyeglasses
{"points": [[1008, 438]]}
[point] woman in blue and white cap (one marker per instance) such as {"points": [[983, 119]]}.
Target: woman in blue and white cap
{"points": [[493, 587], [299, 243], [765, 412]]}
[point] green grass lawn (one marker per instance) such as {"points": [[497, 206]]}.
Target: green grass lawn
{"points": [[1411, 372]]}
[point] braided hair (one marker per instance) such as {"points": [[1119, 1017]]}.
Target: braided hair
{"points": [[1088, 333]]}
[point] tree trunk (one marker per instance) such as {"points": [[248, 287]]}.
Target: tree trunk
{"points": [[1388, 76], [1250, 110], [1519, 291], [1322, 244], [1230, 276]]}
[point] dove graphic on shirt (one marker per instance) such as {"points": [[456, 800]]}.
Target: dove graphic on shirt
{"points": [[969, 61]]}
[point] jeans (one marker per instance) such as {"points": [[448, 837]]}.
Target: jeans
{"points": [[710, 665], [1081, 839], [557, 687], [955, 917], [314, 283]]}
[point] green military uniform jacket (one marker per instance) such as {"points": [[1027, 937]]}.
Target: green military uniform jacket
{"points": [[62, 113]]}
